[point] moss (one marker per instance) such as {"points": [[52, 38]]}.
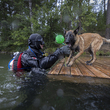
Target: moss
{"points": [[102, 53]]}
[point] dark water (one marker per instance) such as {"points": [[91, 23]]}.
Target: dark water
{"points": [[39, 93]]}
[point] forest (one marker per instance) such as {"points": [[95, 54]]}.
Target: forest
{"points": [[20, 18]]}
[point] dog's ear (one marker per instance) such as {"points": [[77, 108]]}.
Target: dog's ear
{"points": [[76, 30]]}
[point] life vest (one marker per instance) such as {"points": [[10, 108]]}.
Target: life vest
{"points": [[17, 66], [16, 62]]}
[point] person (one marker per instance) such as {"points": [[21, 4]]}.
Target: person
{"points": [[34, 60]]}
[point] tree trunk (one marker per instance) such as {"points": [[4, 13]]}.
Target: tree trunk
{"points": [[108, 21], [104, 7], [61, 13], [30, 8], [80, 8]]}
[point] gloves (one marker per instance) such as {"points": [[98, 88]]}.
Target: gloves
{"points": [[62, 52], [37, 76], [38, 71], [65, 50]]}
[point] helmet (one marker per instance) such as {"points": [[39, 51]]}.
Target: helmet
{"points": [[35, 40]]}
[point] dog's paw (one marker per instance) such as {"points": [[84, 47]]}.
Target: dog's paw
{"points": [[65, 65], [69, 65], [89, 64]]}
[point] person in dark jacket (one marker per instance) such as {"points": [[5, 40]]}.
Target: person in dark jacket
{"points": [[34, 60]]}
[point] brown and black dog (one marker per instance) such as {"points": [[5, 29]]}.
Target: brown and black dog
{"points": [[90, 41]]}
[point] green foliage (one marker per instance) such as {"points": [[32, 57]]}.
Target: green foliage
{"points": [[45, 22], [50, 50], [20, 36], [87, 19], [20, 31], [48, 19]]}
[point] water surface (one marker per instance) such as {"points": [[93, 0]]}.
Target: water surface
{"points": [[43, 93]]}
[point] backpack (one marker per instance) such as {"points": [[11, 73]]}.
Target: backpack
{"points": [[17, 66]]}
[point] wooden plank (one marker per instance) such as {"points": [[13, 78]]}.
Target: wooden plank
{"points": [[103, 60], [95, 71], [98, 62], [62, 60], [80, 79], [75, 70], [102, 65], [65, 70], [85, 71], [100, 68], [56, 69]]}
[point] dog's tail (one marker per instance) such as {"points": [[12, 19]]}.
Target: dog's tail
{"points": [[106, 40]]}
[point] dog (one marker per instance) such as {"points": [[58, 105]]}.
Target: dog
{"points": [[90, 41]]}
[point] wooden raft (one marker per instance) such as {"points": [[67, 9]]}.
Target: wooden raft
{"points": [[99, 69]]}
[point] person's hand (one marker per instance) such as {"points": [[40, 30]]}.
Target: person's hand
{"points": [[65, 50], [38, 71]]}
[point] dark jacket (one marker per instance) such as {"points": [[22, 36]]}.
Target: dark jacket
{"points": [[33, 58]]}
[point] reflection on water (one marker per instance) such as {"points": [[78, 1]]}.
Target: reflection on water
{"points": [[41, 93]]}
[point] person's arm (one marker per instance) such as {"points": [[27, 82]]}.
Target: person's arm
{"points": [[28, 61]]}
